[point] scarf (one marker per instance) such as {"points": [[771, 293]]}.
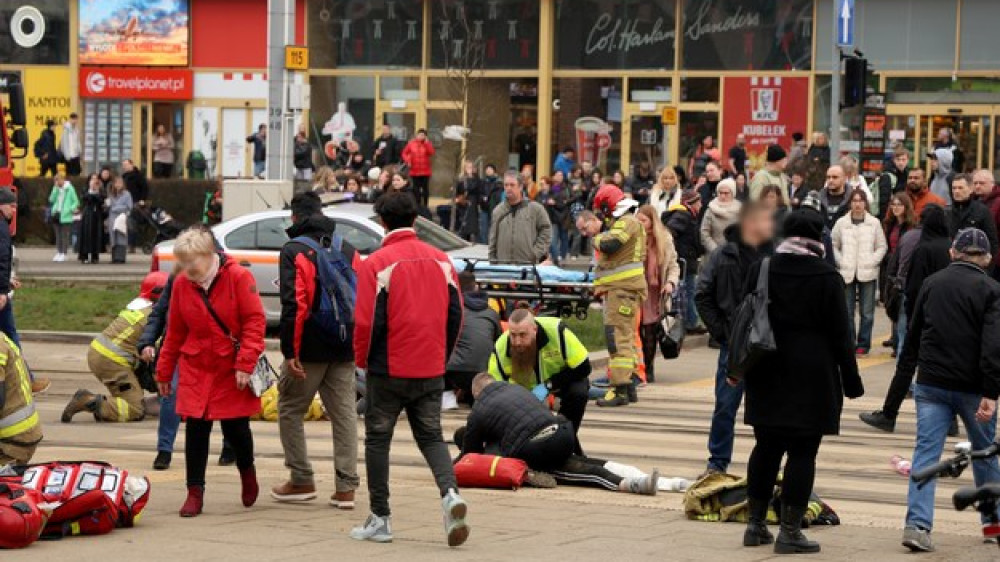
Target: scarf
{"points": [[213, 271], [800, 246]]}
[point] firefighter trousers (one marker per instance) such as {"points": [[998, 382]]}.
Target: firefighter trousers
{"points": [[621, 308], [125, 401], [14, 453]]}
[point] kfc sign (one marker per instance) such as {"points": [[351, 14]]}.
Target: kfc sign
{"points": [[766, 110], [136, 83]]}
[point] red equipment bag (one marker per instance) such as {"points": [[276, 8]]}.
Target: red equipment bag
{"points": [[21, 520], [490, 471]]}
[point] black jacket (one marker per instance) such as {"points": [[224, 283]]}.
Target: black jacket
{"points": [[892, 181], [953, 332], [259, 147], [507, 414], [480, 329], [721, 282], [973, 214], [156, 324], [473, 188], [299, 281], [302, 155], [687, 236], [491, 194], [6, 256], [802, 386], [45, 148], [138, 187], [390, 151], [930, 256]]}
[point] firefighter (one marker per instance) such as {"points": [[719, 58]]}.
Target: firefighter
{"points": [[620, 279], [112, 358], [20, 428]]}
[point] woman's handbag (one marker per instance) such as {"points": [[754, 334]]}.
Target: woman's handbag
{"points": [[751, 337], [893, 297], [263, 376], [670, 331]]}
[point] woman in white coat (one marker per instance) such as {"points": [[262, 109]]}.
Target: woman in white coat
{"points": [[722, 212], [666, 192], [859, 245]]}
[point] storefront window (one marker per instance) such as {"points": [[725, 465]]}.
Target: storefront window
{"points": [[747, 34], [621, 34], [37, 35], [694, 127], [342, 106], [108, 133], [943, 89], [473, 34], [700, 89], [979, 38], [377, 33], [588, 118], [399, 88]]}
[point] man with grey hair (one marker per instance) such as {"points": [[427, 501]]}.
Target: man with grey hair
{"points": [[520, 230], [952, 338], [987, 191]]}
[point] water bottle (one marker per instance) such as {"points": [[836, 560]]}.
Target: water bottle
{"points": [[900, 465]]}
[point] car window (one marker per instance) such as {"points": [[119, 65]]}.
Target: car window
{"points": [[436, 236], [271, 233], [359, 238], [243, 238]]}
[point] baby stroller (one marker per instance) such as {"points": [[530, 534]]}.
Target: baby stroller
{"points": [[162, 224]]}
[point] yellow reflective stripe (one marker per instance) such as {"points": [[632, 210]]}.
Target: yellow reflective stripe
{"points": [[124, 335], [133, 317], [110, 354], [3, 359], [74, 528], [628, 274], [622, 362], [493, 466], [20, 427], [122, 409]]}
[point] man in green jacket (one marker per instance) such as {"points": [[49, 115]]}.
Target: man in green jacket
{"points": [[520, 230]]}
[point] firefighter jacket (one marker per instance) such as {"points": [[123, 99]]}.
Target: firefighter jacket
{"points": [[118, 341], [621, 254], [19, 423]]}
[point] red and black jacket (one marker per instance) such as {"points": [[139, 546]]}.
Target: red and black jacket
{"points": [[409, 309], [300, 337]]}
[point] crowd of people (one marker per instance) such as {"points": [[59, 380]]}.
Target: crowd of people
{"points": [[700, 239]]}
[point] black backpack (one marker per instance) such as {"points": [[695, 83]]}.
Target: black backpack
{"points": [[751, 337]]}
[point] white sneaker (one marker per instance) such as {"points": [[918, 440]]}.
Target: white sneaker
{"points": [[62, 257], [375, 529], [56, 257], [455, 509], [449, 401]]}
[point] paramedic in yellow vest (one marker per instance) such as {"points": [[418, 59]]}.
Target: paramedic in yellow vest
{"points": [[112, 358], [20, 428], [621, 280], [544, 356]]}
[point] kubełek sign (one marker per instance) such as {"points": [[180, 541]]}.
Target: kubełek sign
{"points": [[136, 83], [747, 34], [134, 32], [766, 110]]}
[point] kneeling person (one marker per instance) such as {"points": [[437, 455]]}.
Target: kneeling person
{"points": [[113, 357], [544, 356], [20, 427], [525, 429]]}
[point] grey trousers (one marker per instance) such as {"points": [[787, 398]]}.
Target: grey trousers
{"points": [[336, 387]]}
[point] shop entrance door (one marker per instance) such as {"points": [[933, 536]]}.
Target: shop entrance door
{"points": [[151, 117], [647, 137], [918, 127], [403, 124], [970, 132]]}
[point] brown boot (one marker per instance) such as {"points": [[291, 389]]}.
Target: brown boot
{"points": [[289, 492], [343, 500], [82, 401]]}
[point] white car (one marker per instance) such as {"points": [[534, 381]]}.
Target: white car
{"points": [[255, 241]]}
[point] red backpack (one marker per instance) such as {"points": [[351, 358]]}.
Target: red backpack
{"points": [[21, 520]]}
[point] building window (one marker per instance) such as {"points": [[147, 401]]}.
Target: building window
{"points": [[342, 107], [747, 34], [615, 35], [588, 118], [980, 41], [700, 89], [475, 34], [376, 33]]}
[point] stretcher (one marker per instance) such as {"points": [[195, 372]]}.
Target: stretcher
{"points": [[553, 290]]}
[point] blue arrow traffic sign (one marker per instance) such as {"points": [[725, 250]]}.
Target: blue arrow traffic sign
{"points": [[845, 23]]}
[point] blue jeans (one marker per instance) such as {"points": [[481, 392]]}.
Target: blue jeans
{"points": [[259, 167], [902, 326], [484, 226], [690, 311], [166, 431], [727, 404], [559, 247], [865, 293], [936, 407]]}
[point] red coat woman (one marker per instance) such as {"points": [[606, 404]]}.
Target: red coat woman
{"points": [[417, 155]]}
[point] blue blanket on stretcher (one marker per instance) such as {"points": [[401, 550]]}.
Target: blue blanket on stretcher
{"points": [[548, 273]]}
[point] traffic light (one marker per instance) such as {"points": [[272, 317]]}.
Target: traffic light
{"points": [[855, 81]]}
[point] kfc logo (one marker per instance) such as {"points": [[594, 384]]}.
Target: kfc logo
{"points": [[765, 99], [96, 82]]}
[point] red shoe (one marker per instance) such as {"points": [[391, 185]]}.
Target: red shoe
{"points": [[250, 491], [194, 502], [861, 351]]}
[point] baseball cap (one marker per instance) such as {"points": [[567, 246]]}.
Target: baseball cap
{"points": [[971, 241]]}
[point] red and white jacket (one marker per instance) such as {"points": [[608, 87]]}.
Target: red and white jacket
{"points": [[409, 309]]}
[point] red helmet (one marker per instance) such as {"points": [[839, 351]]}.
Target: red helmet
{"points": [[153, 284], [607, 197]]}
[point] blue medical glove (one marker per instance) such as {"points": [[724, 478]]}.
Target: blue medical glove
{"points": [[540, 392]]}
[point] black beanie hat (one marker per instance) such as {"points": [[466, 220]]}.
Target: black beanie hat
{"points": [[804, 223], [775, 153]]}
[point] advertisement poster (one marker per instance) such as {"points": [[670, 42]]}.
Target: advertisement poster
{"points": [[599, 34], [873, 136], [766, 109], [747, 34], [134, 32], [205, 136], [47, 95]]}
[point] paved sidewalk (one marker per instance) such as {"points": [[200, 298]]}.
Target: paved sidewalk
{"points": [[667, 429], [35, 262]]}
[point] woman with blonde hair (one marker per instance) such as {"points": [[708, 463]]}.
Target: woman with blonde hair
{"points": [[666, 192], [215, 336], [325, 181], [662, 275], [855, 180]]}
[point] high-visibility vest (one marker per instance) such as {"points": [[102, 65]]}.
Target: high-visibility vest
{"points": [[19, 423], [558, 349]]}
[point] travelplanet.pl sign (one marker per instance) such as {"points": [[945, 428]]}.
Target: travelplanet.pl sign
{"points": [[136, 83]]}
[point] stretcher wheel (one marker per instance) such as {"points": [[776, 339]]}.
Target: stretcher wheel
{"points": [[581, 313]]}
